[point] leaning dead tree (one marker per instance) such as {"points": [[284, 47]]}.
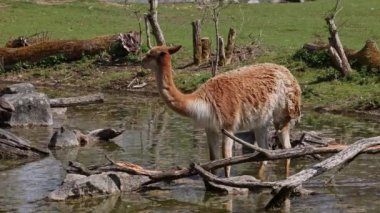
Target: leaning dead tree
{"points": [[153, 20], [336, 50]]}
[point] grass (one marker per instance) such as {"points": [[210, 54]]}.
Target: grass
{"points": [[283, 28]]}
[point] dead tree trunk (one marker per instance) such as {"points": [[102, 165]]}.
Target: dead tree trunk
{"points": [[230, 45], [147, 31], [153, 20], [68, 49], [222, 54], [76, 101], [206, 49], [197, 44], [336, 50], [215, 14]]}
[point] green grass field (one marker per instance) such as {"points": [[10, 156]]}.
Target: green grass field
{"points": [[283, 28]]}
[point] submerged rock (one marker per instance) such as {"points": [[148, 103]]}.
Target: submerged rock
{"points": [[107, 183], [14, 147], [65, 137]]}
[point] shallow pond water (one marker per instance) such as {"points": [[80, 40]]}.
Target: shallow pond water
{"points": [[157, 138]]}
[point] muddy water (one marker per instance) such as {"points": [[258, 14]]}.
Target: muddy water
{"points": [[157, 138]]}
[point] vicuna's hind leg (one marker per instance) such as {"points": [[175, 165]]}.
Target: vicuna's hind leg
{"points": [[213, 144], [285, 142], [227, 152], [261, 140]]}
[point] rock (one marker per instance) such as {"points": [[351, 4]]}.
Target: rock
{"points": [[64, 137], [107, 183], [18, 88], [222, 189], [14, 147], [6, 106], [104, 134], [30, 109], [59, 116]]}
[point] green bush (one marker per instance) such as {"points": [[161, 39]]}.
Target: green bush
{"points": [[316, 59]]}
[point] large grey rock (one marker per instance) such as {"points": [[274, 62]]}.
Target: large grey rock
{"points": [[63, 137], [19, 88], [107, 183], [30, 109]]}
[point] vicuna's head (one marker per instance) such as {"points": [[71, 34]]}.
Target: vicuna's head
{"points": [[158, 56]]}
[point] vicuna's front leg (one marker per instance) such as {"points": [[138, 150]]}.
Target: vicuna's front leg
{"points": [[285, 142], [227, 152], [261, 141]]}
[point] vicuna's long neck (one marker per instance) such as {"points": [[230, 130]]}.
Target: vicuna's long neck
{"points": [[174, 98]]}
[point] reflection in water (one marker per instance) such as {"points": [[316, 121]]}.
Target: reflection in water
{"points": [[157, 138]]}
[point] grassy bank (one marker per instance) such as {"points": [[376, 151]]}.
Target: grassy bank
{"points": [[281, 28]]}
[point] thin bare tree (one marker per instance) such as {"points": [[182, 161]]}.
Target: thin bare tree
{"points": [[153, 20]]}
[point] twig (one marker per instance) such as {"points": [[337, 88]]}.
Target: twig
{"points": [[244, 143], [132, 82]]}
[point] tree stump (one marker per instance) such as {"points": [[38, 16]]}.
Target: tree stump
{"points": [[368, 56], [197, 44], [222, 54], [230, 46], [206, 49]]}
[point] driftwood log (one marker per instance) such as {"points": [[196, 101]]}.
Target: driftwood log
{"points": [[285, 187], [76, 101], [68, 49], [263, 155]]}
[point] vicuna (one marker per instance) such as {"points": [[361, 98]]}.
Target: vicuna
{"points": [[248, 98]]}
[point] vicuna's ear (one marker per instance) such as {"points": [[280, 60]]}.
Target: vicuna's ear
{"points": [[174, 49], [162, 54]]}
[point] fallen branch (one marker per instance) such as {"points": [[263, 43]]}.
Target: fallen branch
{"points": [[157, 176], [346, 155], [242, 142], [76, 101]]}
